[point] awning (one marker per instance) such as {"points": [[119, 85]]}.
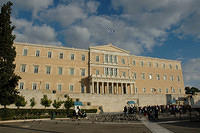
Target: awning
{"points": [[77, 103], [131, 102]]}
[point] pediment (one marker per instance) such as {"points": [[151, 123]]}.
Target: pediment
{"points": [[109, 48]]}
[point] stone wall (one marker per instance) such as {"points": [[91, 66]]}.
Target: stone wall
{"points": [[109, 103]]}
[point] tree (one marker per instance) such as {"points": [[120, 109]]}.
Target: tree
{"points": [[192, 90], [57, 104], [8, 79], [68, 104], [32, 102], [20, 101], [45, 101]]}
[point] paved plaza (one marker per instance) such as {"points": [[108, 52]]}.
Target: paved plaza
{"points": [[86, 126]]}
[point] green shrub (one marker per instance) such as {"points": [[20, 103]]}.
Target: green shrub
{"points": [[14, 114]]}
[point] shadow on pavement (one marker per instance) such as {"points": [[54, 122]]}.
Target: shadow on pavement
{"points": [[186, 124], [23, 128]]}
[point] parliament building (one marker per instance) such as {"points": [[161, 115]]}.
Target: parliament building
{"points": [[103, 75]]}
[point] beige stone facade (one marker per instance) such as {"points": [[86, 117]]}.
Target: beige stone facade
{"points": [[106, 73]]}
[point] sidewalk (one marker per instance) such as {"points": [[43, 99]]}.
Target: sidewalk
{"points": [[27, 120], [154, 127]]}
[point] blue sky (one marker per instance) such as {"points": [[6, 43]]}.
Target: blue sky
{"points": [[157, 28]]}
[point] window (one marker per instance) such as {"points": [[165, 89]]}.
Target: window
{"points": [[123, 61], [21, 85], [133, 62], [149, 64], [82, 88], [142, 63], [106, 58], [173, 90], [165, 77], [134, 75], [36, 67], [115, 71], [25, 52], [153, 90], [136, 90], [124, 74], [160, 90], [170, 66], [176, 67], [144, 90], [111, 59], [97, 72], [49, 54], [34, 86], [71, 87], [71, 71], [59, 87], [150, 76], [97, 58], [111, 71], [156, 65], [48, 70], [61, 56], [178, 78], [179, 90], [82, 72], [23, 68], [37, 53], [60, 70], [115, 59], [143, 75], [47, 86], [172, 78], [167, 90], [83, 57], [158, 77], [72, 56], [163, 65], [106, 71]]}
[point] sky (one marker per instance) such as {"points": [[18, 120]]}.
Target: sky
{"points": [[157, 28]]}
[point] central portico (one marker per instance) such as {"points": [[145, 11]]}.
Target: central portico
{"points": [[110, 71]]}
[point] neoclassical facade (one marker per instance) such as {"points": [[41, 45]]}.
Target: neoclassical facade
{"points": [[101, 71]]}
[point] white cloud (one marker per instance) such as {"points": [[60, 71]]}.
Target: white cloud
{"points": [[32, 5], [63, 14], [92, 6], [27, 32], [191, 72], [78, 36], [141, 26]]}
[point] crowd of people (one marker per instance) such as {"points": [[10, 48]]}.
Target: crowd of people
{"points": [[130, 109], [153, 111]]}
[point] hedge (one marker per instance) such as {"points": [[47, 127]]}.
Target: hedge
{"points": [[14, 114]]}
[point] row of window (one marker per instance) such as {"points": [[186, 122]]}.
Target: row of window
{"points": [[49, 55], [107, 59], [47, 86], [48, 70], [157, 76], [159, 90], [150, 64]]}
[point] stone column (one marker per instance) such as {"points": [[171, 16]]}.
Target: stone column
{"points": [[107, 88], [131, 87], [97, 87], [92, 87], [117, 89], [103, 88]]}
